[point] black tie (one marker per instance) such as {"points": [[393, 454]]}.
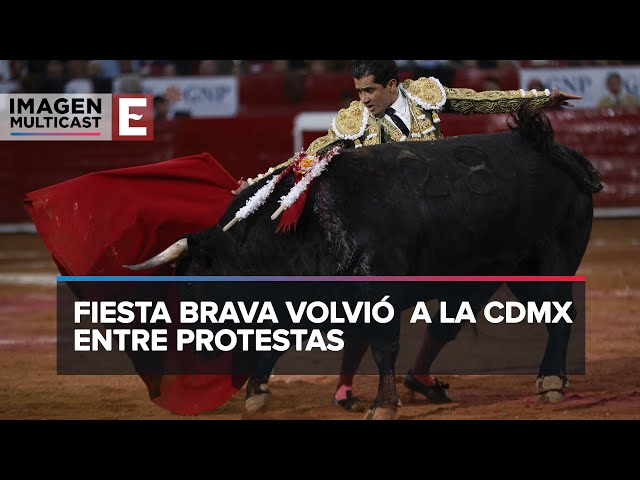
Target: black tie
{"points": [[396, 119]]}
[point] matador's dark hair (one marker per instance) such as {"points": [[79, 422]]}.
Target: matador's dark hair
{"points": [[382, 70]]}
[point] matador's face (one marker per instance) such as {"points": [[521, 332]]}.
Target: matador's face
{"points": [[376, 97]]}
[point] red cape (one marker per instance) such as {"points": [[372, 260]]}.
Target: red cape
{"points": [[94, 224]]}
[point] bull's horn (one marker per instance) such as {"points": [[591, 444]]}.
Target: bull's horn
{"points": [[165, 256]]}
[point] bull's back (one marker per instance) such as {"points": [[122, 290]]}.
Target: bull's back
{"points": [[449, 199]]}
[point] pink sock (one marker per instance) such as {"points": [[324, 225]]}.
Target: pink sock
{"points": [[341, 394]]}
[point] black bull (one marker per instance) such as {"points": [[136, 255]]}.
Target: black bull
{"points": [[511, 203]]}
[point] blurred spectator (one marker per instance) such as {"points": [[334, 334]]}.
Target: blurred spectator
{"points": [[143, 67], [229, 67], [79, 82], [101, 83], [543, 63], [207, 68], [39, 67], [443, 70], [535, 84], [468, 63], [616, 96], [170, 70], [491, 83], [161, 108], [280, 66], [7, 83], [340, 66], [185, 67], [77, 69], [317, 66], [130, 83], [156, 68], [126, 66], [474, 63], [5, 70], [298, 65], [79, 85], [538, 63], [487, 64], [253, 66], [55, 78], [223, 67], [10, 87], [108, 68], [607, 63], [19, 69], [346, 98]]}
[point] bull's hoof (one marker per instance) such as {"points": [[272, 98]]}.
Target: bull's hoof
{"points": [[381, 413], [258, 403], [548, 383], [436, 393], [256, 406], [550, 389], [554, 396], [350, 404]]}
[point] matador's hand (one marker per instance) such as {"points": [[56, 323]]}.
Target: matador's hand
{"points": [[558, 98]]}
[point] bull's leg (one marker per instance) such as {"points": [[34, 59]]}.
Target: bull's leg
{"points": [[385, 352], [362, 263], [258, 392], [436, 336], [554, 361], [552, 374], [560, 255]]}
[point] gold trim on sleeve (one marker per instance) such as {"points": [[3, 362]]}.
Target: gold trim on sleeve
{"points": [[321, 143], [468, 101]]}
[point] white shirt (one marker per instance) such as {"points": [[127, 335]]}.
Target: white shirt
{"points": [[402, 110]]}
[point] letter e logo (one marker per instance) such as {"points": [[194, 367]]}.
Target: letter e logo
{"points": [[132, 117]]}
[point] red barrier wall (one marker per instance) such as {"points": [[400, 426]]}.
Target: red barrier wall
{"points": [[249, 144]]}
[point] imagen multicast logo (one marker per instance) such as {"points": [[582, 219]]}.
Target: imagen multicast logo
{"points": [[28, 117]]}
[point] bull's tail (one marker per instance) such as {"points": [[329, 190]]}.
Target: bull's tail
{"points": [[536, 127], [579, 168]]}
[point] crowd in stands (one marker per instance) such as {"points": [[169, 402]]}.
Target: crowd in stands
{"points": [[97, 76]]}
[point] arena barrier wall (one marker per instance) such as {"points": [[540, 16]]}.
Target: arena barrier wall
{"points": [[250, 143]]}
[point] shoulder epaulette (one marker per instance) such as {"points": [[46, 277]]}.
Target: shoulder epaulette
{"points": [[351, 122], [426, 92]]}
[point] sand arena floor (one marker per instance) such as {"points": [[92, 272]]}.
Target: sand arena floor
{"points": [[31, 389]]}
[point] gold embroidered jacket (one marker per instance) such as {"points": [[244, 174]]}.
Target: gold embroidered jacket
{"points": [[354, 127]]}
